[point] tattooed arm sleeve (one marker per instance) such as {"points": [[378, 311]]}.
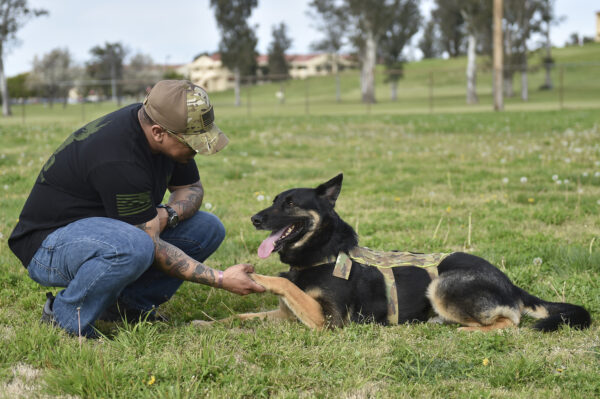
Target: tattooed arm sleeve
{"points": [[186, 200], [174, 261]]}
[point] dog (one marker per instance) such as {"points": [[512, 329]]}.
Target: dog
{"points": [[332, 281]]}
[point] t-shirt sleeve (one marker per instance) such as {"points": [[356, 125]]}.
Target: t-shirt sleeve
{"points": [[125, 191], [184, 174]]}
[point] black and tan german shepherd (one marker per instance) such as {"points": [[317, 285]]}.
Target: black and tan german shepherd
{"points": [[309, 235]]}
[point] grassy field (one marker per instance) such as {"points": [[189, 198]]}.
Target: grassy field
{"points": [[512, 187], [519, 188]]}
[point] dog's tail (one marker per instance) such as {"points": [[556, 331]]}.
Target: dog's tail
{"points": [[553, 314]]}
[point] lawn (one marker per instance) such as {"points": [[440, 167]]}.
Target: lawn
{"points": [[519, 188]]}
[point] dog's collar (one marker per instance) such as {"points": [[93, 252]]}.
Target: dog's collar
{"points": [[325, 261]]}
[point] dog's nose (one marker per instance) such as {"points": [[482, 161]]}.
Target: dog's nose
{"points": [[257, 220]]}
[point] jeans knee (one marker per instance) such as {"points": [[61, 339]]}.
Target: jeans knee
{"points": [[215, 231], [138, 252]]}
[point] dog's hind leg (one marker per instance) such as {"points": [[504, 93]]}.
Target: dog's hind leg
{"points": [[302, 305]]}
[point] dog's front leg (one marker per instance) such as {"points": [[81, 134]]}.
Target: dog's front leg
{"points": [[302, 305]]}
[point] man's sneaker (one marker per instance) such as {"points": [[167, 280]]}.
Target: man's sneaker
{"points": [[47, 311]]}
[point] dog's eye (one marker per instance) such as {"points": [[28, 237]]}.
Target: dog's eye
{"points": [[289, 202]]}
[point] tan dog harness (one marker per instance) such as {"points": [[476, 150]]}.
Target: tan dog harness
{"points": [[384, 262]]}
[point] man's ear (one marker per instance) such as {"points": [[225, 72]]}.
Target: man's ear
{"points": [[157, 133], [331, 189]]}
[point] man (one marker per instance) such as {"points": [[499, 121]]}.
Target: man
{"points": [[94, 222]]}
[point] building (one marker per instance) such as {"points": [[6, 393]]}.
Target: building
{"points": [[208, 71]]}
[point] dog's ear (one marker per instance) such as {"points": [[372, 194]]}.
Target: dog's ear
{"points": [[331, 189]]}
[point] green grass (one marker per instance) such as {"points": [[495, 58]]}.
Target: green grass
{"points": [[412, 182]]}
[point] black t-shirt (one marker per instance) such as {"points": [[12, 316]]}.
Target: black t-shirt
{"points": [[104, 169]]}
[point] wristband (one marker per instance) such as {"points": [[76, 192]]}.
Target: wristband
{"points": [[220, 281]]}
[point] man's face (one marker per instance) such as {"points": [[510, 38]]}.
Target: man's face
{"points": [[177, 149]]}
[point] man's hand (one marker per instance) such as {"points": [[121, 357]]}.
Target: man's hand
{"points": [[236, 280]]}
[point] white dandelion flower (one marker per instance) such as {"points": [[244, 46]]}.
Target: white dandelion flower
{"points": [[597, 174], [505, 180], [585, 174], [559, 182], [568, 160], [537, 261], [260, 197], [566, 181], [555, 177], [208, 205], [523, 179], [6, 186]]}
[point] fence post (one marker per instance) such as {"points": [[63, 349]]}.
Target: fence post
{"points": [[561, 87], [83, 109], [431, 92]]}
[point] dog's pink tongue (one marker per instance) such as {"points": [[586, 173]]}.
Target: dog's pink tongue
{"points": [[268, 245]]}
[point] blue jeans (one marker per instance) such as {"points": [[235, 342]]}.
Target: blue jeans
{"points": [[100, 260]]}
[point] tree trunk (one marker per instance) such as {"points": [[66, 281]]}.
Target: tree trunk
{"points": [[4, 89], [236, 89], [507, 84], [472, 71], [547, 64], [394, 90], [335, 69], [367, 74], [524, 81]]}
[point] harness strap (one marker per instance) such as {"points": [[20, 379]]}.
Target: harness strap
{"points": [[385, 262]]}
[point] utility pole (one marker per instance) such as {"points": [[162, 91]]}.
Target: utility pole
{"points": [[498, 56]]}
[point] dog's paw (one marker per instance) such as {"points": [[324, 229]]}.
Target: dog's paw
{"points": [[202, 323], [436, 320]]}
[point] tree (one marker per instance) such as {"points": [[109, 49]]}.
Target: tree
{"points": [[17, 86], [107, 64], [333, 23], [278, 65], [450, 23], [519, 23], [549, 18], [370, 19], [477, 16], [13, 15], [52, 74], [140, 74], [238, 40], [405, 22], [428, 43]]}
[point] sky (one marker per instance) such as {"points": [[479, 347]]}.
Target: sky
{"points": [[175, 31]]}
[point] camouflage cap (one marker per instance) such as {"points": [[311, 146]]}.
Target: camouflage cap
{"points": [[183, 108]]}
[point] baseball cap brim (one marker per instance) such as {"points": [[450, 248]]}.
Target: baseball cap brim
{"points": [[210, 141]]}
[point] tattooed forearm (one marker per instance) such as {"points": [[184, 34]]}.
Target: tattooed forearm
{"points": [[187, 201], [174, 262]]}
